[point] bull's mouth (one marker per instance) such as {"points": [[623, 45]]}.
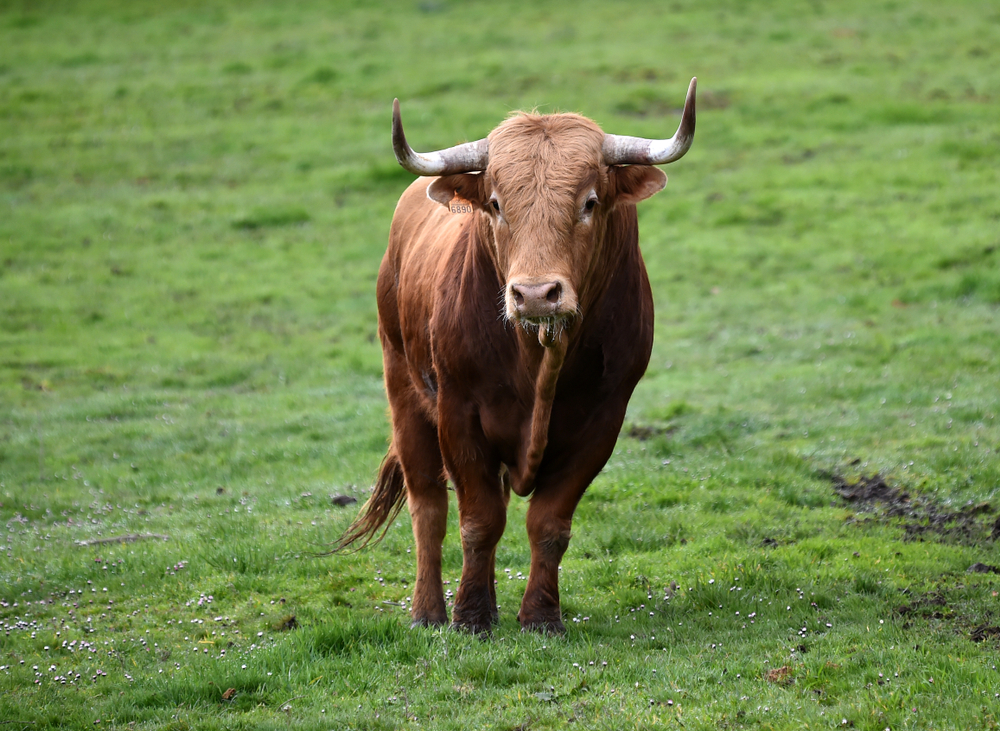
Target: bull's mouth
{"points": [[531, 324], [547, 329]]}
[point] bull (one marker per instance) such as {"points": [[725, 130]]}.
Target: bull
{"points": [[516, 318]]}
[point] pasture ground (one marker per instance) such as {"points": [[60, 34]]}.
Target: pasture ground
{"points": [[194, 198]]}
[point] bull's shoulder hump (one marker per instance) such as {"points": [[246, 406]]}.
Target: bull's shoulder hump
{"points": [[421, 226], [415, 210]]}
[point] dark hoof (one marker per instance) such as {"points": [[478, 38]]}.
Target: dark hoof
{"points": [[474, 617]]}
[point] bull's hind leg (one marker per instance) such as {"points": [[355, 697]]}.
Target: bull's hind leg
{"points": [[505, 486], [416, 444], [482, 513], [483, 517], [427, 500]]}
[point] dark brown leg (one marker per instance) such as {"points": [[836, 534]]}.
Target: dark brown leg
{"points": [[416, 444], [550, 516], [505, 486], [494, 611], [483, 518], [548, 532], [428, 503], [482, 514]]}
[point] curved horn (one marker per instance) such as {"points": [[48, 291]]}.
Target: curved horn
{"points": [[624, 150], [465, 158]]}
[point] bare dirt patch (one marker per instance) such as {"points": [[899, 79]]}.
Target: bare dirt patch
{"points": [[982, 568], [984, 632], [920, 516], [935, 605], [927, 606]]}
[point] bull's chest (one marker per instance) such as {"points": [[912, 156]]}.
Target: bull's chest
{"points": [[503, 400]]}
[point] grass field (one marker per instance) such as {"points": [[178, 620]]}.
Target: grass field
{"points": [[194, 199]]}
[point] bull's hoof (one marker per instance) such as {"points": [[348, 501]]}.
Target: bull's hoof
{"points": [[477, 616], [543, 626]]}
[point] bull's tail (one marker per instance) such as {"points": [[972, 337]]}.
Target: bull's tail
{"points": [[388, 496]]}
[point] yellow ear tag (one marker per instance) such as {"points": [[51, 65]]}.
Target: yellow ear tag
{"points": [[460, 205]]}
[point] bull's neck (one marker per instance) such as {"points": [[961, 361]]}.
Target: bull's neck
{"points": [[483, 231], [618, 240]]}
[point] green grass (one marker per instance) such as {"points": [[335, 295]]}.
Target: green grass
{"points": [[194, 199]]}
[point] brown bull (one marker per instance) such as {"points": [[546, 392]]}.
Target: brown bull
{"points": [[516, 319]]}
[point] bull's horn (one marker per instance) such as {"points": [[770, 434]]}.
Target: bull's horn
{"points": [[624, 150], [465, 158]]}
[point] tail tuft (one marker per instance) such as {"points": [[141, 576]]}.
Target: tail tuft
{"points": [[388, 496]]}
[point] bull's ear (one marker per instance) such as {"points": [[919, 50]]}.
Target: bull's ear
{"points": [[634, 183], [468, 186]]}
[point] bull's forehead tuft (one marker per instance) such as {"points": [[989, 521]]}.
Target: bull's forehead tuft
{"points": [[550, 134], [553, 150]]}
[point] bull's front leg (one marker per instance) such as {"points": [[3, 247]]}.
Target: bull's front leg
{"points": [[548, 523], [550, 515]]}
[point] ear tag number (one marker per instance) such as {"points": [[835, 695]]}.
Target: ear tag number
{"points": [[459, 205]]}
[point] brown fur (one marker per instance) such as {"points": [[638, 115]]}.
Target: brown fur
{"points": [[474, 395]]}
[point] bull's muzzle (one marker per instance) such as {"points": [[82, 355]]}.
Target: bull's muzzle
{"points": [[535, 302]]}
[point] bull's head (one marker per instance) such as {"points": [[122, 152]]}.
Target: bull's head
{"points": [[547, 185]]}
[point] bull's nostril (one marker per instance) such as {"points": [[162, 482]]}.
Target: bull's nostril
{"points": [[554, 294], [518, 298]]}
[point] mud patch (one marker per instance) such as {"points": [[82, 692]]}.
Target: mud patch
{"points": [[872, 492], [927, 606], [921, 517], [934, 605], [982, 568], [984, 632]]}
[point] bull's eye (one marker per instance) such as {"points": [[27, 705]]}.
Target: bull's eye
{"points": [[496, 205], [590, 204]]}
